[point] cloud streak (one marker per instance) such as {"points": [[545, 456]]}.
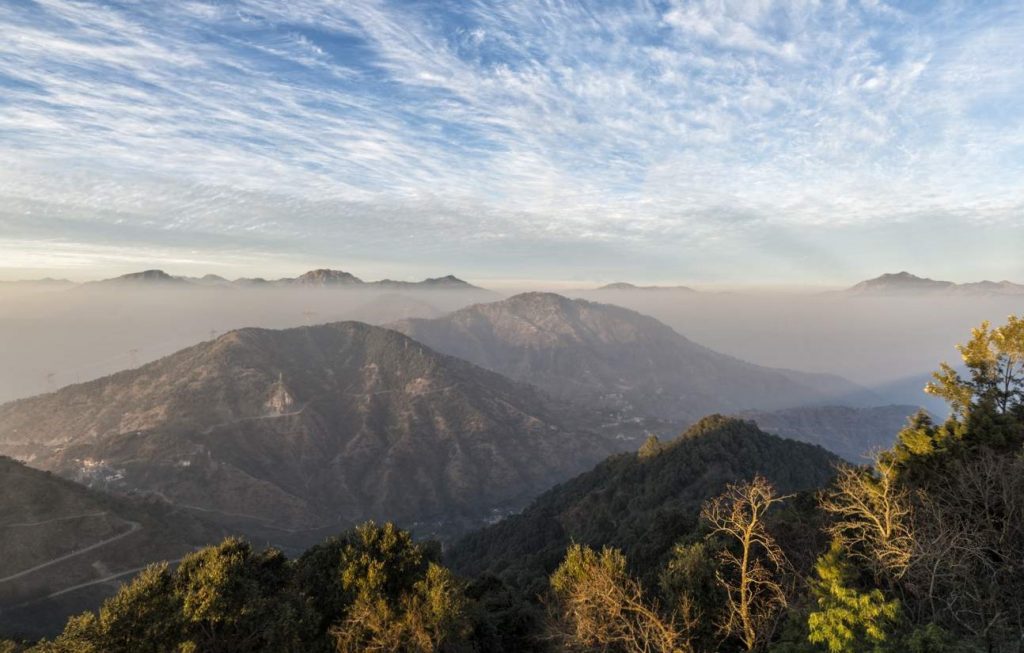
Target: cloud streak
{"points": [[440, 134]]}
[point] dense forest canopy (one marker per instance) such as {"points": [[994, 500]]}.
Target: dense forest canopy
{"points": [[922, 551]]}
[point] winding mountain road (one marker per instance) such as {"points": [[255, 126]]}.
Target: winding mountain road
{"points": [[134, 527]]}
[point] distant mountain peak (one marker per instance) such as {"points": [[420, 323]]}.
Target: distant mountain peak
{"points": [[327, 277], [623, 285], [902, 277], [607, 356], [541, 298], [145, 276], [300, 419], [447, 280], [895, 283]]}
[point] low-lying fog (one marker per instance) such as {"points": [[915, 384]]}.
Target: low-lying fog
{"points": [[888, 343], [81, 333], [54, 337]]}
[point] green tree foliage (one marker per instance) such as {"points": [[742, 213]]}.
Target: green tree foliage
{"points": [[144, 616], [939, 521], [995, 363], [225, 598], [848, 620], [689, 582], [652, 446], [372, 589], [986, 403], [396, 597], [234, 598]]}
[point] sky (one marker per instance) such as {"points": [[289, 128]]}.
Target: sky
{"points": [[710, 142]]}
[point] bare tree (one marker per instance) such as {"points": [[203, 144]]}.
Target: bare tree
{"points": [[873, 517], [752, 577], [599, 607], [969, 564]]}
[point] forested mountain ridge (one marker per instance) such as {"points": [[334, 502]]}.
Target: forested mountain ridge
{"points": [[307, 428], [608, 356], [640, 502]]}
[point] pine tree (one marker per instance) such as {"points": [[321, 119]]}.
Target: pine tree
{"points": [[848, 620]]}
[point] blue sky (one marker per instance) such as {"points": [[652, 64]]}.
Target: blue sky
{"points": [[760, 142]]}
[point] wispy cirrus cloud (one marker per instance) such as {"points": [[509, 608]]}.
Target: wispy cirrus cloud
{"points": [[658, 140]]}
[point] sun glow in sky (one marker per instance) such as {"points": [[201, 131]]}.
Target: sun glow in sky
{"points": [[721, 142]]}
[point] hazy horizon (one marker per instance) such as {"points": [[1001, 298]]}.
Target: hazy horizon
{"points": [[504, 285]]}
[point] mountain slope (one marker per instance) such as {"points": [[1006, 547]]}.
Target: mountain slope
{"points": [[642, 503], [852, 433], [64, 547], [307, 428], [605, 355]]}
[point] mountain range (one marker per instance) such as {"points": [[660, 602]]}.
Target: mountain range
{"points": [[604, 355], [441, 424], [905, 283], [281, 433], [321, 278]]}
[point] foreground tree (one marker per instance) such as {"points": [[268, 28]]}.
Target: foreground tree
{"points": [[689, 581], [872, 517], [752, 564], [939, 521], [599, 607], [994, 359], [986, 403], [143, 616], [372, 589], [234, 599], [848, 620], [968, 571], [402, 601]]}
